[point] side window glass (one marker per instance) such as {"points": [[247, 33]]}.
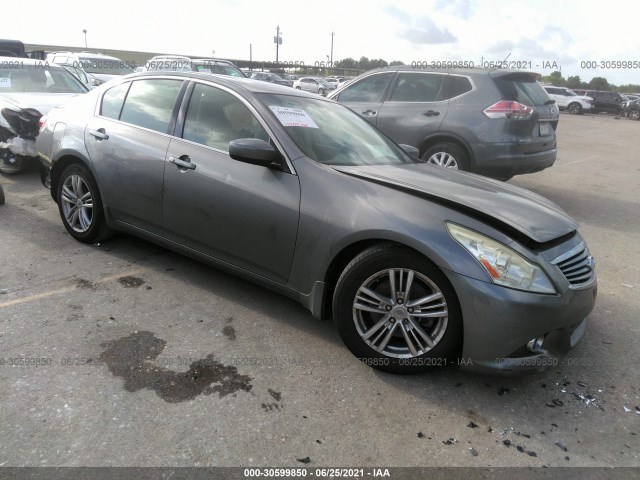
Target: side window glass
{"points": [[215, 117], [417, 87], [112, 101], [149, 103], [370, 89], [457, 85]]}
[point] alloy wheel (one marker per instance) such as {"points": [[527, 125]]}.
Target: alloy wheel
{"points": [[77, 203], [443, 159], [400, 313]]}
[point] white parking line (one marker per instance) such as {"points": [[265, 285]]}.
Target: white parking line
{"points": [[50, 293], [579, 161]]}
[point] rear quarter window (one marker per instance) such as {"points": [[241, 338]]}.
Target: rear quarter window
{"points": [[522, 89]]}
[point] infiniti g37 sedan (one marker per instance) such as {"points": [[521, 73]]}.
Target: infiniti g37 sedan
{"points": [[417, 264]]}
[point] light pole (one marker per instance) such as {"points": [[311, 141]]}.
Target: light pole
{"points": [[85, 37], [332, 34], [277, 40]]}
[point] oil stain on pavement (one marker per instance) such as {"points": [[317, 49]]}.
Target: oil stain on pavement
{"points": [[133, 359]]}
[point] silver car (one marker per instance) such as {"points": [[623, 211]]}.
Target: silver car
{"points": [[418, 265], [28, 90], [314, 85]]}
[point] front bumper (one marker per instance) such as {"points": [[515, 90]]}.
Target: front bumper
{"points": [[499, 322]]}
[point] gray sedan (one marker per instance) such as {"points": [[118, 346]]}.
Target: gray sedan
{"points": [[418, 265]]}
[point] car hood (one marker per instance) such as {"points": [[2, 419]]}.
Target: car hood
{"points": [[43, 102], [518, 209]]}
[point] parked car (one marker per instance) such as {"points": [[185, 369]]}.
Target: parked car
{"points": [[610, 102], [497, 123], [417, 264], [568, 100], [28, 90], [289, 76], [314, 85], [173, 63], [271, 78], [337, 81], [631, 109], [96, 67]]}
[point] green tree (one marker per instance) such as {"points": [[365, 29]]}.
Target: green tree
{"points": [[396, 62], [555, 78], [574, 82], [346, 63], [599, 83]]}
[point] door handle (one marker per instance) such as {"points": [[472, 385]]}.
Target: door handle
{"points": [[184, 162], [99, 134], [369, 113], [431, 113]]}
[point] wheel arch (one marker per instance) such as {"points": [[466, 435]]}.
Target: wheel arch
{"points": [[448, 137], [347, 253], [64, 159]]}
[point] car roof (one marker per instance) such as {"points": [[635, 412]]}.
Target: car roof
{"points": [[496, 72], [238, 84]]}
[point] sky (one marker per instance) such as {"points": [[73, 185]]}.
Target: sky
{"points": [[537, 33]]}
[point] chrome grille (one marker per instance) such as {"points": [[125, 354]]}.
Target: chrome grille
{"points": [[577, 265]]}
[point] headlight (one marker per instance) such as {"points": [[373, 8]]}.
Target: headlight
{"points": [[504, 266]]}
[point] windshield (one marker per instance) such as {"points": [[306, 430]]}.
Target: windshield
{"points": [[332, 134], [40, 79], [323, 82], [522, 88], [570, 93], [106, 66]]}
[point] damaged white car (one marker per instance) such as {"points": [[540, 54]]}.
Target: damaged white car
{"points": [[28, 90]]}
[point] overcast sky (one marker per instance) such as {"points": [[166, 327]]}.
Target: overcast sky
{"points": [[536, 31]]}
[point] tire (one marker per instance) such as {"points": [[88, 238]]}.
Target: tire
{"points": [[85, 223], [575, 109], [634, 115], [10, 163], [361, 317], [298, 88], [1, 195], [448, 155], [322, 92]]}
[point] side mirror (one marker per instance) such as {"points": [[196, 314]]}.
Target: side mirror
{"points": [[254, 151], [411, 151]]}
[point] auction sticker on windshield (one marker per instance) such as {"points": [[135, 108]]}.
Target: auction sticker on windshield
{"points": [[293, 117]]}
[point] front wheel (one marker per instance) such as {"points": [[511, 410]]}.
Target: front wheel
{"points": [[446, 155], [575, 109], [298, 88], [397, 312], [80, 205], [634, 115]]}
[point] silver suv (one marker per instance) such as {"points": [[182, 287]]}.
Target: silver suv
{"points": [[497, 123]]}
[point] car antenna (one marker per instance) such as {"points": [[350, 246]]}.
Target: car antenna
{"points": [[503, 61]]}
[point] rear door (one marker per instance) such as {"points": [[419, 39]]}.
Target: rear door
{"points": [[365, 96], [538, 132], [127, 141], [415, 108]]}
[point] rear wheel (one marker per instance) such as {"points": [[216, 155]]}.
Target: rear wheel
{"points": [[80, 205], [396, 311], [634, 114], [448, 155], [1, 195], [575, 109]]}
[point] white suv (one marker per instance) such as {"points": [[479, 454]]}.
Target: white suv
{"points": [[568, 100]]}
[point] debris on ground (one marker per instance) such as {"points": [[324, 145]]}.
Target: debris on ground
{"points": [[472, 425], [473, 451], [561, 447], [450, 441], [304, 460], [420, 435]]}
